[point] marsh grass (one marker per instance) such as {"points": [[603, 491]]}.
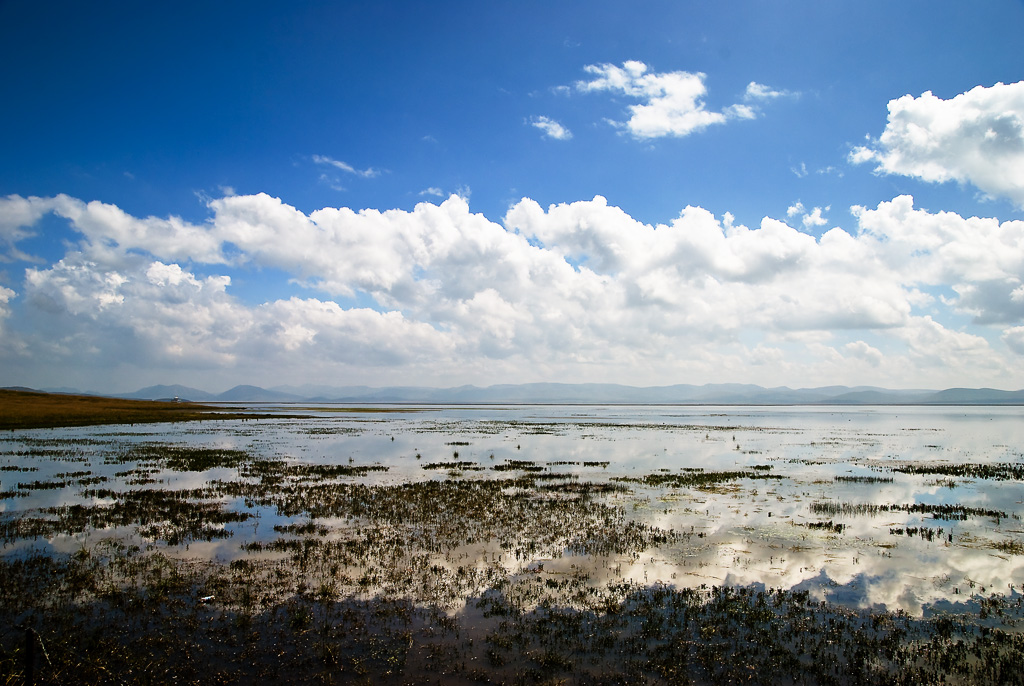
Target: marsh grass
{"points": [[32, 410], [173, 517], [113, 614], [1004, 471], [517, 573], [694, 478], [953, 512], [842, 478]]}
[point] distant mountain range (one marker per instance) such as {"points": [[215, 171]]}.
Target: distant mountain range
{"points": [[708, 394]]}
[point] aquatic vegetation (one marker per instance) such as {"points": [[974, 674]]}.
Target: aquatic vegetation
{"points": [[1005, 471], [179, 458], [42, 485], [924, 532], [171, 516], [459, 465], [694, 478], [271, 472], [948, 512], [832, 527], [93, 614], [519, 466], [729, 635], [320, 552], [1011, 547]]}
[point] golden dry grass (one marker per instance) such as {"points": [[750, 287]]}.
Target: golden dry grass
{"points": [[34, 410]]}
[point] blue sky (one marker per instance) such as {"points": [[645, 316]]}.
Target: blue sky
{"points": [[783, 193]]}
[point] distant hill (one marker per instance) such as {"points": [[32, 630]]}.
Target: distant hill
{"points": [[164, 392], [255, 394], [556, 393], [881, 397], [315, 391], [974, 396]]}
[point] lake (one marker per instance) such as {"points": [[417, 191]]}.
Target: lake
{"points": [[907, 510]]}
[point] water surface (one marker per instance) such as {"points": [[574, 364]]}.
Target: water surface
{"points": [[869, 507]]}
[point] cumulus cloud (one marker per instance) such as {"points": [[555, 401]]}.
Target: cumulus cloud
{"points": [[939, 346], [980, 259], [574, 291], [814, 218], [18, 213], [810, 219], [976, 137], [6, 294], [863, 351], [551, 128], [672, 103], [110, 234], [1014, 338]]}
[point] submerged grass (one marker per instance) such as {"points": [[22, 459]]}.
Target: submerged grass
{"points": [[172, 517], [694, 478], [954, 512], [493, 576], [1004, 471], [112, 614]]}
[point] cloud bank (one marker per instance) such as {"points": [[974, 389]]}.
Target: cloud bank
{"points": [[976, 138], [575, 292]]}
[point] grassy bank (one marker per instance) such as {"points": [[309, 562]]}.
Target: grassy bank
{"points": [[33, 410]]}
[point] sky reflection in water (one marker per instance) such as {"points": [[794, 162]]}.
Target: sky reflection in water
{"points": [[745, 532]]}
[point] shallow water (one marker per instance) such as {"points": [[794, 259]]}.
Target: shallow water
{"points": [[775, 531]]}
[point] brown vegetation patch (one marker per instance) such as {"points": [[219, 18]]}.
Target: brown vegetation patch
{"points": [[35, 410]]}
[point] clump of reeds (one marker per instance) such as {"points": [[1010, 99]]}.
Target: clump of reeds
{"points": [[1003, 471], [842, 478], [941, 511]]}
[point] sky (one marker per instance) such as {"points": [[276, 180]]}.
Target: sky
{"points": [[401, 193]]}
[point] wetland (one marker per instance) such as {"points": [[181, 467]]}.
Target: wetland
{"points": [[516, 544]]}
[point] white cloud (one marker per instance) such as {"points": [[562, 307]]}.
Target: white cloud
{"points": [[863, 351], [433, 190], [980, 259], [551, 128], [1014, 339], [759, 91], [937, 346], [6, 294], [672, 102], [976, 137], [18, 213], [577, 291], [346, 167], [810, 219], [110, 233], [814, 218], [862, 154]]}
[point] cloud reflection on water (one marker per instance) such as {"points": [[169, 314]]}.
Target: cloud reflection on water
{"points": [[744, 532]]}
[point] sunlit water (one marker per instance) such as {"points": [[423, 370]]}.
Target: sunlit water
{"points": [[745, 532]]}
